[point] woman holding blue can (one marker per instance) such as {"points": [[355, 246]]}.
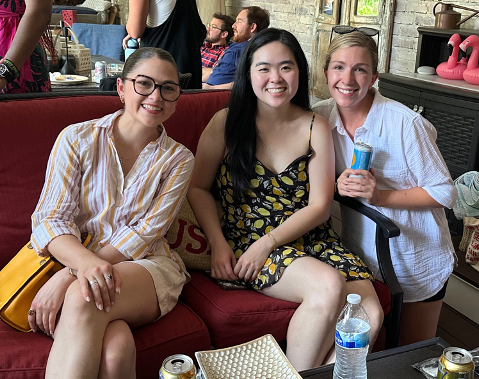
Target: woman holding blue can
{"points": [[408, 181]]}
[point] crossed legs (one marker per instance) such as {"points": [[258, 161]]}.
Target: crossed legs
{"points": [[89, 343]]}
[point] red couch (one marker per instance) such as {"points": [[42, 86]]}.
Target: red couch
{"points": [[29, 127]]}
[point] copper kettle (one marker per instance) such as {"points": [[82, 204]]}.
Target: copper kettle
{"points": [[448, 18]]}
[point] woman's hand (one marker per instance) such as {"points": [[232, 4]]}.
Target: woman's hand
{"points": [[101, 280], [223, 261], [125, 41], [252, 261], [357, 186], [48, 301]]}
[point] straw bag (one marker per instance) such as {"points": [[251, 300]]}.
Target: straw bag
{"points": [[21, 279]]}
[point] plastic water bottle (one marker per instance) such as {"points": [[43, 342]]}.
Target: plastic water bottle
{"points": [[131, 46], [352, 341]]}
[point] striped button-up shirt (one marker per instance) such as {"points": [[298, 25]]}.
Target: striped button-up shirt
{"points": [[85, 191]]}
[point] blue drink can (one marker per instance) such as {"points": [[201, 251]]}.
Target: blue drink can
{"points": [[361, 157]]}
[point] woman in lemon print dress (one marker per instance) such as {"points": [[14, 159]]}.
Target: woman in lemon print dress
{"points": [[272, 160]]}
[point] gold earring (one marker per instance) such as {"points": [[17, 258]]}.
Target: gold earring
{"points": [[122, 99]]}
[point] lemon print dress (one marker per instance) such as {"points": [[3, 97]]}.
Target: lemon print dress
{"points": [[271, 199]]}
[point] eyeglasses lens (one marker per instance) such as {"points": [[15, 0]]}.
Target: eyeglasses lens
{"points": [[168, 91], [209, 26]]}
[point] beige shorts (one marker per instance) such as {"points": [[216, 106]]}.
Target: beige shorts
{"points": [[168, 279]]}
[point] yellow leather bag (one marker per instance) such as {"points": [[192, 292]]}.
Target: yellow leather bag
{"points": [[21, 279]]}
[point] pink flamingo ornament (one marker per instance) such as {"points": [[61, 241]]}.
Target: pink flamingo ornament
{"points": [[471, 74], [453, 69]]}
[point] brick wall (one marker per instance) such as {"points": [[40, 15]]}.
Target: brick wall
{"points": [[410, 14], [297, 16]]}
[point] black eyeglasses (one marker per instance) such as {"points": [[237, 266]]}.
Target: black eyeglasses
{"points": [[210, 26], [144, 86], [345, 29]]}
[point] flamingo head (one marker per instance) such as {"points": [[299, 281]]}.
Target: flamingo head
{"points": [[454, 40], [470, 41]]}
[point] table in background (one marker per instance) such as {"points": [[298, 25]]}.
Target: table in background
{"points": [[393, 363]]}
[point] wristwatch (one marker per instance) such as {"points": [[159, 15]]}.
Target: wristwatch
{"points": [[8, 70]]}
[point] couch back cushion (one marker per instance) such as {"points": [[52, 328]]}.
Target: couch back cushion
{"points": [[29, 128]]}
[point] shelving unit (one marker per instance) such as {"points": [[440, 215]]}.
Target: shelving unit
{"points": [[432, 44]]}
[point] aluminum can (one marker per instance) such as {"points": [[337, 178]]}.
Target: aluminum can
{"points": [[100, 71], [178, 366], [455, 363], [361, 157]]}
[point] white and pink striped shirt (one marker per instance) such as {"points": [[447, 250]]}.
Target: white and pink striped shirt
{"points": [[85, 191]]}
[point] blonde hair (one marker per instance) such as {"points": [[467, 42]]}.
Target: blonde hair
{"points": [[353, 39]]}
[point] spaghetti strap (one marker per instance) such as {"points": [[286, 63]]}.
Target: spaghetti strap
{"points": [[311, 130]]}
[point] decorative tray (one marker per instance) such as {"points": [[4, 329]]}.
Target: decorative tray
{"points": [[261, 358]]}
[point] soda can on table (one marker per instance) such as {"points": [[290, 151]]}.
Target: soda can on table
{"points": [[455, 363], [178, 366], [361, 157], [100, 71]]}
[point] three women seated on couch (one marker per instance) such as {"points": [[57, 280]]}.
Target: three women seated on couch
{"points": [[273, 162]]}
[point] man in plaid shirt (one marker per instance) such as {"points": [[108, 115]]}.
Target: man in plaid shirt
{"points": [[219, 32]]}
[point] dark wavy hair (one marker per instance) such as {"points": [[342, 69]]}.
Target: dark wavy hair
{"points": [[226, 24], [240, 128]]}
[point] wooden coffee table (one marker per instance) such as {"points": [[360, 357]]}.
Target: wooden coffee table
{"points": [[393, 363]]}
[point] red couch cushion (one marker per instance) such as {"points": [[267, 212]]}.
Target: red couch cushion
{"points": [[238, 316], [24, 355]]}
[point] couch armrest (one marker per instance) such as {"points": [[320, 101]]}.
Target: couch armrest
{"points": [[385, 229]]}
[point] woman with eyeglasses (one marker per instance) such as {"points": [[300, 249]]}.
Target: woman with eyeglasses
{"points": [[408, 181], [272, 161], [120, 179]]}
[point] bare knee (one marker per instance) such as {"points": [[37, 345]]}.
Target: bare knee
{"points": [[118, 355], [329, 292], [75, 308]]}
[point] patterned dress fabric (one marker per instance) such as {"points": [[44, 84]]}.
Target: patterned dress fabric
{"points": [[34, 76], [271, 199]]}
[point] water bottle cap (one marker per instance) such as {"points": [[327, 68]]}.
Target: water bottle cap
{"points": [[132, 43], [354, 298]]}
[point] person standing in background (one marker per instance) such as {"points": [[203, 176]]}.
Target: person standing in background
{"points": [[218, 34], [172, 25], [23, 60]]}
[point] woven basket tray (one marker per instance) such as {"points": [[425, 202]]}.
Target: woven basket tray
{"points": [[261, 358]]}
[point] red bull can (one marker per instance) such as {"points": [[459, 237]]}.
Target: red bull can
{"points": [[178, 366], [455, 363], [361, 157]]}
